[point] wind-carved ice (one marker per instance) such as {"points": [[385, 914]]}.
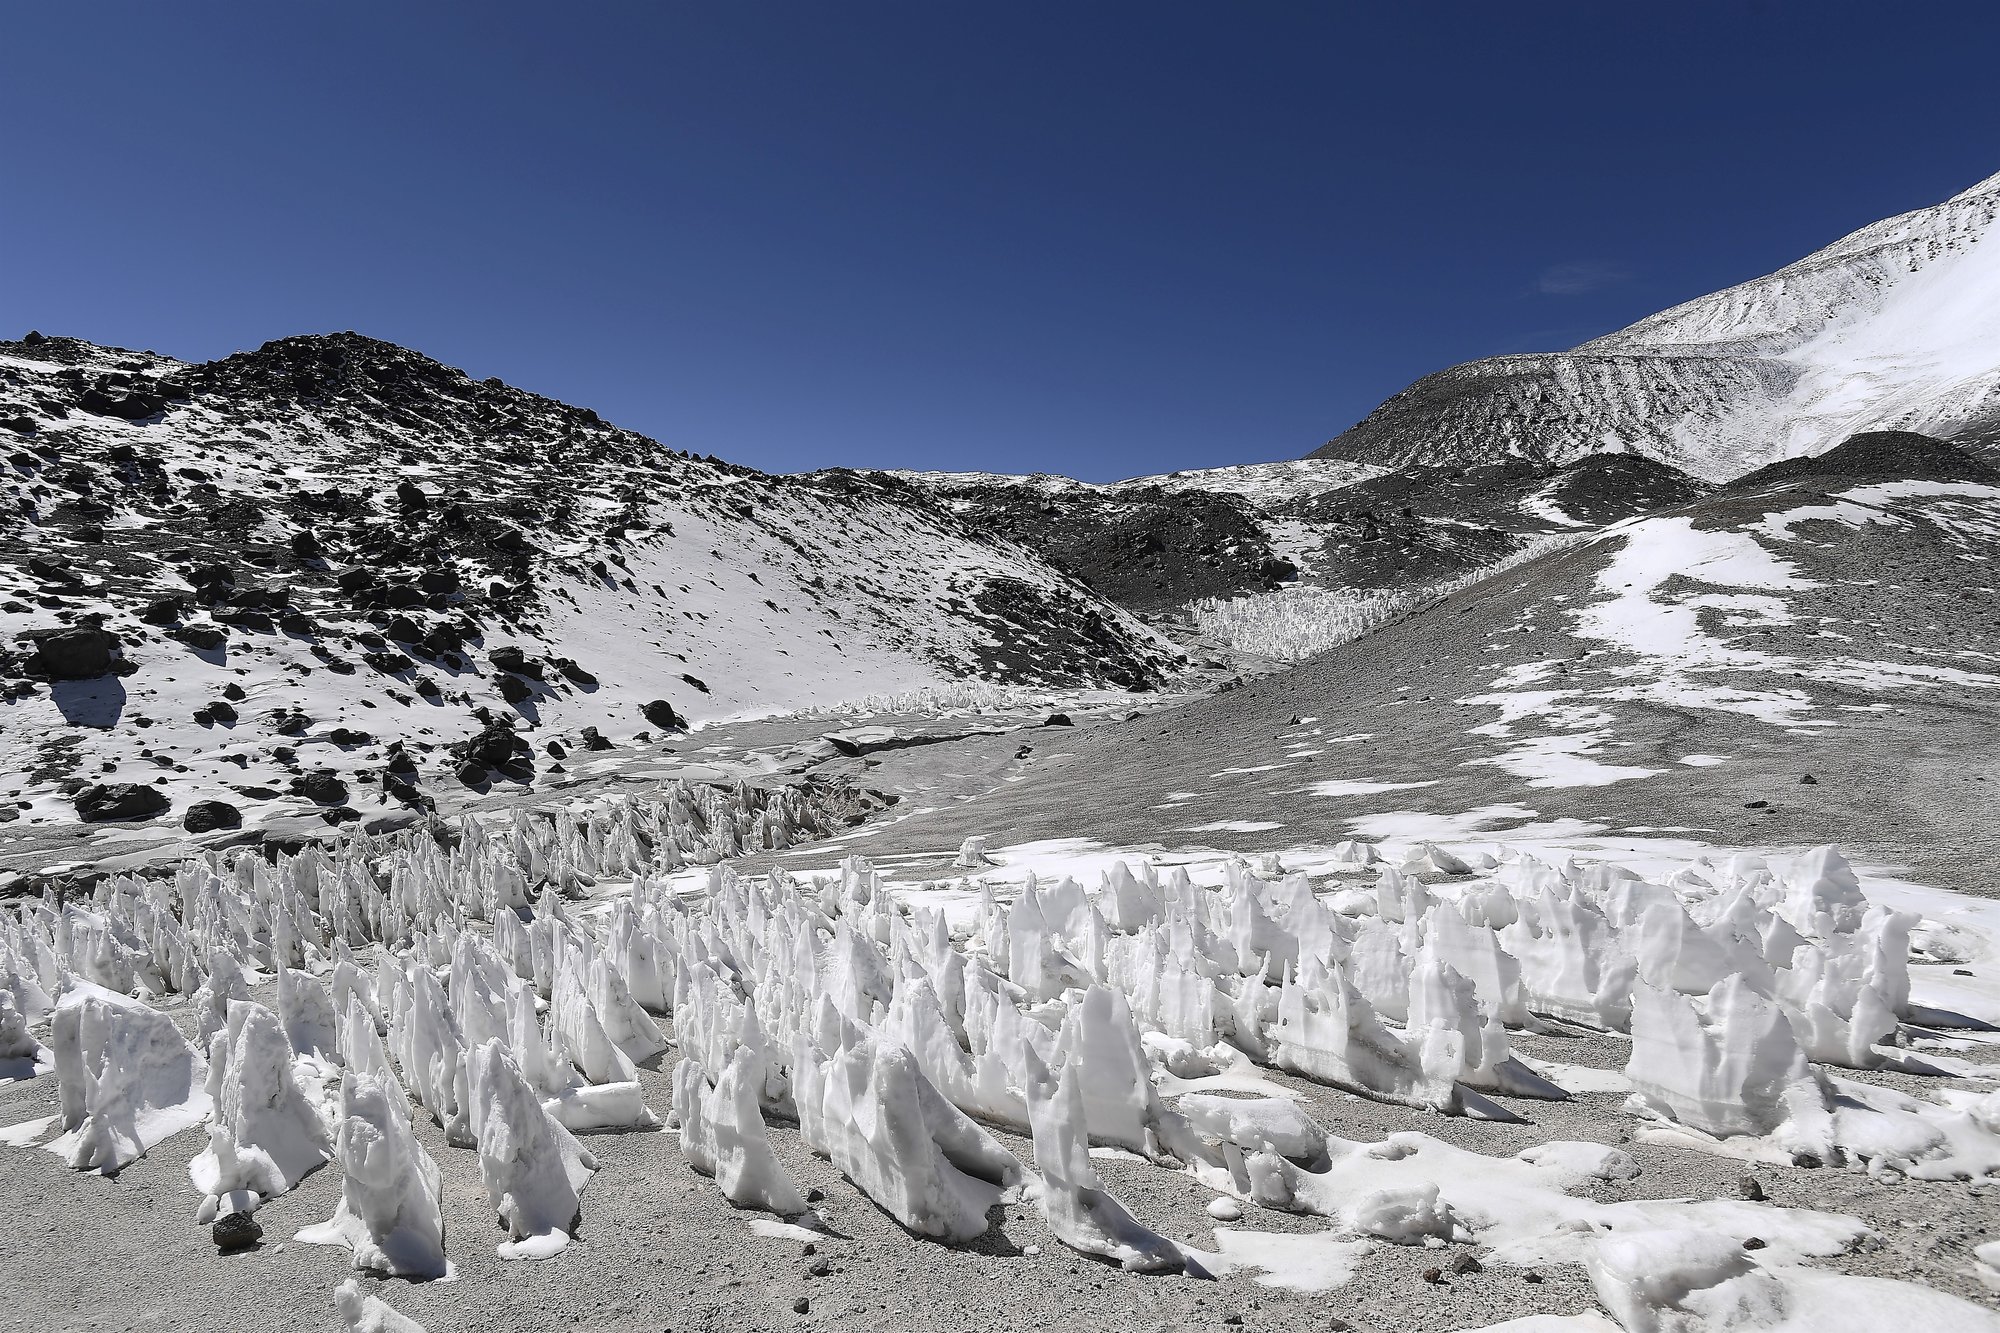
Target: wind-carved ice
{"points": [[533, 1170], [427, 1045], [264, 1136], [723, 1134], [391, 1214], [127, 1077], [1573, 964], [361, 1313], [1083, 1215], [1328, 1032], [887, 1129], [1727, 1065]]}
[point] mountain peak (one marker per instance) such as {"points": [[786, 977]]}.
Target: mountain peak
{"points": [[1895, 326]]}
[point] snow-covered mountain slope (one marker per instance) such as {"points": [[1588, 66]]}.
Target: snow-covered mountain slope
{"points": [[1895, 327], [272, 578], [1687, 669]]}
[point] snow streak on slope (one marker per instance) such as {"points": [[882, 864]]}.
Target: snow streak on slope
{"points": [[1688, 615], [1896, 326]]}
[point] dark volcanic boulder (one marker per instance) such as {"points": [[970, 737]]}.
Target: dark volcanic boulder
{"points": [[207, 816], [50, 570], [661, 714], [81, 652], [119, 800], [495, 746], [235, 1231], [321, 787], [205, 637], [511, 657], [592, 740], [515, 690]]}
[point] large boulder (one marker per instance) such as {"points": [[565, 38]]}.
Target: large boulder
{"points": [[207, 816], [119, 800], [80, 652]]}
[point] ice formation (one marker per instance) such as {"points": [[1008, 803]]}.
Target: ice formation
{"points": [[534, 1171], [264, 1137], [1728, 1065], [880, 1121], [362, 1313], [723, 1134], [128, 1080], [894, 1026], [1083, 1215], [391, 1212]]}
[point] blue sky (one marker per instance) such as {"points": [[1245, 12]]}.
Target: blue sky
{"points": [[1101, 239]]}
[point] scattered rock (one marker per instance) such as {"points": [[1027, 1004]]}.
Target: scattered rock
{"points": [[801, 1305], [201, 635], [1058, 720], [1434, 1275], [1464, 1262], [81, 652], [661, 714], [1750, 1188], [119, 800], [321, 786], [511, 657], [235, 1231], [207, 816], [1753, 1242], [1808, 780]]}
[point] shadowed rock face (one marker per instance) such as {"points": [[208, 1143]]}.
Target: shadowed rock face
{"points": [[1891, 327]]}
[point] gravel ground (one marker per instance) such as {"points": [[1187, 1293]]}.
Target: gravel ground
{"points": [[659, 1248]]}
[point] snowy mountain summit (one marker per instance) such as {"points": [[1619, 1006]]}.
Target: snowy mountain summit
{"points": [[1894, 327]]}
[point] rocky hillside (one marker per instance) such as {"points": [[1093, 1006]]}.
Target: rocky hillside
{"points": [[1895, 327], [1803, 655], [1155, 544], [330, 573]]}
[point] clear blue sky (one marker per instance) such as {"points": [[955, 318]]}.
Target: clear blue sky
{"points": [[1095, 238]]}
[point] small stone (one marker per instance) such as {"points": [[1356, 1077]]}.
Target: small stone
{"points": [[1465, 1263], [1753, 1242], [815, 1195], [1751, 1188], [1531, 1277], [1808, 780], [801, 1305], [1961, 971], [810, 1249], [1755, 805], [818, 1268], [235, 1231]]}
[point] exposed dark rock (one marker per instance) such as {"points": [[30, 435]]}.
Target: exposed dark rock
{"points": [[235, 1231], [81, 652], [119, 800], [661, 714], [207, 816], [201, 635]]}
